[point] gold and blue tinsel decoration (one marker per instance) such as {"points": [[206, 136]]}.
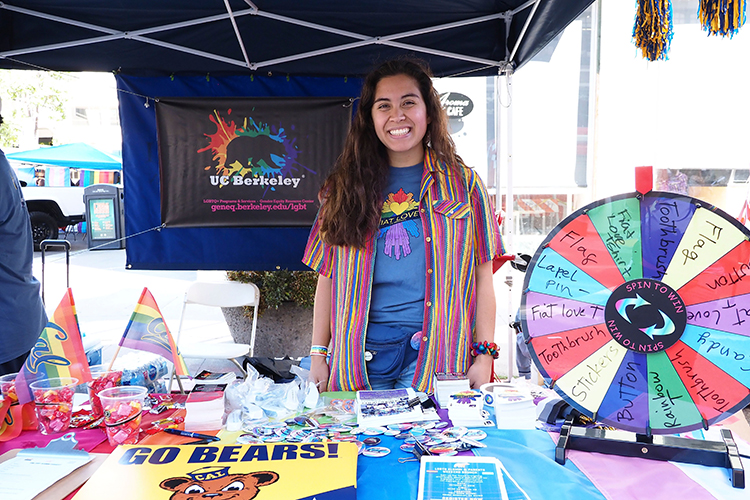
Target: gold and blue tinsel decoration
{"points": [[722, 17], [653, 28]]}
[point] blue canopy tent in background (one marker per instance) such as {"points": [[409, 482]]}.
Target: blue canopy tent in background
{"points": [[95, 166], [213, 48], [76, 155]]}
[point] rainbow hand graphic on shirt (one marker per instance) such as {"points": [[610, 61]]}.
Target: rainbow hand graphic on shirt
{"points": [[400, 219]]}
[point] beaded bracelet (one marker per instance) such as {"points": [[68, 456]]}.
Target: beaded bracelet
{"points": [[485, 348], [319, 350]]}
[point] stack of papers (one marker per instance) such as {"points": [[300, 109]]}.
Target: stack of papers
{"points": [[204, 411], [446, 384], [50, 472], [464, 477], [394, 406], [207, 377], [514, 406], [465, 409]]}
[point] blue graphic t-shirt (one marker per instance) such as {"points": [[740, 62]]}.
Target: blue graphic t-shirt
{"points": [[399, 281]]}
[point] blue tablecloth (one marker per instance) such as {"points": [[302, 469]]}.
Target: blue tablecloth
{"points": [[528, 455]]}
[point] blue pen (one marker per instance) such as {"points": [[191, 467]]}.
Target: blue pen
{"points": [[192, 434]]}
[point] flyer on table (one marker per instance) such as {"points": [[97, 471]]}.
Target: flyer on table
{"points": [[293, 471]]}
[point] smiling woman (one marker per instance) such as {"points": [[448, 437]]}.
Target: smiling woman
{"points": [[401, 217]]}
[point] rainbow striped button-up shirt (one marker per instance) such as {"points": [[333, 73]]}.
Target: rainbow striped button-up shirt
{"points": [[460, 232]]}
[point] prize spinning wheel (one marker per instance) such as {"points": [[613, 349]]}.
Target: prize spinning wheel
{"points": [[637, 309]]}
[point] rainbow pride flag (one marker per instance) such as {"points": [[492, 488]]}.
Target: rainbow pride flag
{"points": [[58, 351], [147, 331], [90, 177]]}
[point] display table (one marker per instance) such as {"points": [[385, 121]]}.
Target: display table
{"points": [[528, 455]]}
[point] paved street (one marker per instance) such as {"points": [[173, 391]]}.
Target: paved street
{"points": [[105, 294]]}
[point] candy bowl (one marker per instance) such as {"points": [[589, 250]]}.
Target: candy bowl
{"points": [[101, 379], [27, 412], [8, 387], [122, 413], [53, 400]]}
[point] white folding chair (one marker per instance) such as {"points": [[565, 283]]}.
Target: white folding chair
{"points": [[219, 294]]}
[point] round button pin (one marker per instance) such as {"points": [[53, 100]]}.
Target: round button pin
{"points": [[248, 439], [443, 450], [400, 427], [476, 434], [376, 451], [374, 431], [416, 340]]}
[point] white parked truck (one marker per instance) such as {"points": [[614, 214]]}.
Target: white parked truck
{"points": [[53, 208]]}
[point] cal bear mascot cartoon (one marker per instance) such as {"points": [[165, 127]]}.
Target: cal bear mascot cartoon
{"points": [[217, 483]]}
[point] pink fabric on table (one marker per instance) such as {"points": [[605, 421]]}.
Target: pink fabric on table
{"points": [[632, 478], [87, 439], [624, 478]]}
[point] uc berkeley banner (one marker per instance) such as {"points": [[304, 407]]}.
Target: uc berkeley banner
{"points": [[246, 161]]}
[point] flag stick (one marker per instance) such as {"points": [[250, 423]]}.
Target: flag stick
{"points": [[109, 368]]}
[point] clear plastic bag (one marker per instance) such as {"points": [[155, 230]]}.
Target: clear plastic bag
{"points": [[259, 399]]}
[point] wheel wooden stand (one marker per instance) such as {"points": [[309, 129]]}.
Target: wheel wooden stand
{"points": [[660, 447]]}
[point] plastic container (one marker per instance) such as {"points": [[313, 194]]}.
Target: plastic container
{"points": [[122, 413], [28, 412], [101, 379], [53, 400]]}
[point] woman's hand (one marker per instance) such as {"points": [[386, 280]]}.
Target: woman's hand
{"points": [[319, 372], [480, 371], [321, 336]]}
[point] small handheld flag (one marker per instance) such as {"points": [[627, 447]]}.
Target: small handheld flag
{"points": [[58, 351], [147, 331]]}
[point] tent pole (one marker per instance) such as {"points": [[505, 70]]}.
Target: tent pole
{"points": [[510, 222], [504, 165]]}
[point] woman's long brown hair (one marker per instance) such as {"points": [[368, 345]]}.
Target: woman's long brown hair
{"points": [[353, 193]]}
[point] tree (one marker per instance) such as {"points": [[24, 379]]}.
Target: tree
{"points": [[29, 96]]}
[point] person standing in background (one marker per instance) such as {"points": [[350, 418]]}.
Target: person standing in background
{"points": [[22, 315]]}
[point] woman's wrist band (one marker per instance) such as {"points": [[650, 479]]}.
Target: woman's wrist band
{"points": [[319, 350], [485, 347]]}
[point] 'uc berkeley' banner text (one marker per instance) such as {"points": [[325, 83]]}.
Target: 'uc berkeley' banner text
{"points": [[246, 161]]}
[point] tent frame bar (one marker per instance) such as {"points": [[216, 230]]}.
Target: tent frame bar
{"points": [[525, 25], [363, 40], [237, 32]]}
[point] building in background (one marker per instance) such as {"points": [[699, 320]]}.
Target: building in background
{"points": [[90, 109], [92, 114]]}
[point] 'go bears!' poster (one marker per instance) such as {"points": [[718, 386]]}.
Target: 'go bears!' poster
{"points": [[283, 471]]}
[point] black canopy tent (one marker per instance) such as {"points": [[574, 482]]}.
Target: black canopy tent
{"points": [[322, 38], [268, 41]]}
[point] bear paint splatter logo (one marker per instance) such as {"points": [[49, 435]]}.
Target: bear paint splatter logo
{"points": [[254, 154], [645, 315]]}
